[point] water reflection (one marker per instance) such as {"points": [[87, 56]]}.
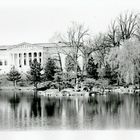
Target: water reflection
{"points": [[113, 104], [50, 107], [14, 101], [27, 111], [35, 107]]}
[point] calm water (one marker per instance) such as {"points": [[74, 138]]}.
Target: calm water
{"points": [[25, 112]]}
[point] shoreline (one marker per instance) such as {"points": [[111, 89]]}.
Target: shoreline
{"points": [[17, 88], [71, 92]]}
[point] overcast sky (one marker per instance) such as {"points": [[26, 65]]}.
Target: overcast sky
{"points": [[36, 21]]}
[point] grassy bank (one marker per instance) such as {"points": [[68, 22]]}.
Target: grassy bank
{"points": [[8, 85]]}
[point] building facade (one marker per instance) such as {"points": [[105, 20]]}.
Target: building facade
{"points": [[21, 55]]}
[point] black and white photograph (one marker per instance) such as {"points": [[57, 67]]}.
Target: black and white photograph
{"points": [[69, 65]]}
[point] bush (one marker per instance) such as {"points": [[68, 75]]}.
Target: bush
{"points": [[92, 69], [68, 84], [89, 82], [102, 83], [14, 76], [50, 69], [68, 76], [64, 80], [34, 75]]}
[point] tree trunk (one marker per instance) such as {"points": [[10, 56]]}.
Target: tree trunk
{"points": [[139, 83], [76, 65], [35, 85], [14, 83], [76, 73], [59, 86], [118, 80], [85, 65]]}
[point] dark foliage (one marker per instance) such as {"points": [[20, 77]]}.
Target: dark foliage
{"points": [[34, 74], [92, 69], [50, 69], [110, 74], [14, 76], [70, 64]]}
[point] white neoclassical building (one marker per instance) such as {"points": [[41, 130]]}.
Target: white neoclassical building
{"points": [[22, 54]]}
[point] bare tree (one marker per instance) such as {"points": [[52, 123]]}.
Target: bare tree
{"points": [[86, 51], [75, 40], [127, 25], [101, 48], [138, 28], [57, 59], [56, 39], [122, 28], [113, 37]]}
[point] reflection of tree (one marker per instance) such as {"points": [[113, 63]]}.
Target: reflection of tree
{"points": [[14, 101], [113, 103], [70, 106], [36, 106], [50, 107], [53, 107], [58, 107], [137, 103], [92, 101], [71, 109], [91, 106]]}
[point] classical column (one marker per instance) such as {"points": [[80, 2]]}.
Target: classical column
{"points": [[13, 59], [41, 58], [32, 56], [3, 62], [9, 60], [18, 60], [37, 56], [22, 60], [27, 59]]}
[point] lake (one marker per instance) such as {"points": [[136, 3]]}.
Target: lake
{"points": [[22, 111]]}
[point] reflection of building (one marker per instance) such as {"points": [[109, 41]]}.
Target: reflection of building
{"points": [[21, 55]]}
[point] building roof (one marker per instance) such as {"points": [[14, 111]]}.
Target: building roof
{"points": [[46, 45], [5, 47], [49, 45]]}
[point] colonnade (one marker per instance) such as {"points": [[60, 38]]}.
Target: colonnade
{"points": [[23, 59]]}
